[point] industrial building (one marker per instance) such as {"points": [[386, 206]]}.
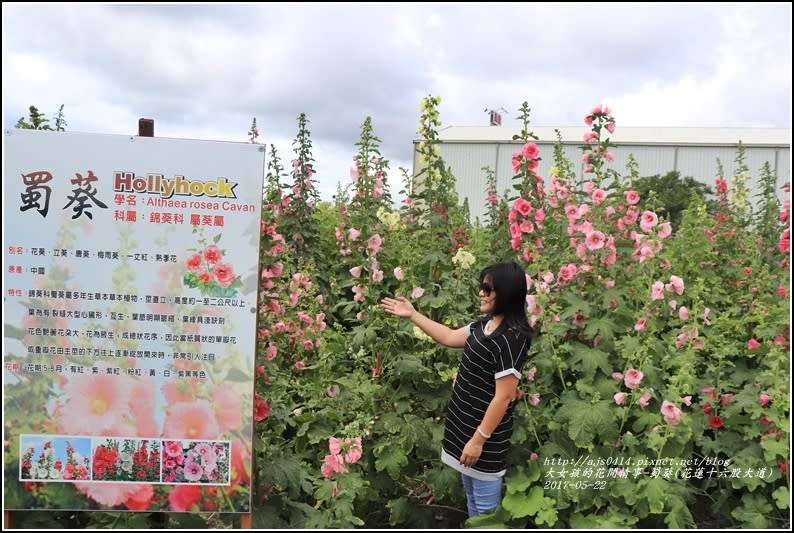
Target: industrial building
{"points": [[691, 151]]}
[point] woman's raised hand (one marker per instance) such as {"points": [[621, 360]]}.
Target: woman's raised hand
{"points": [[399, 307]]}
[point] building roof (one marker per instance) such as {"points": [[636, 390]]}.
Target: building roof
{"points": [[626, 135]]}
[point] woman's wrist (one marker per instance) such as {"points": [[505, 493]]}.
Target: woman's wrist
{"points": [[483, 434]]}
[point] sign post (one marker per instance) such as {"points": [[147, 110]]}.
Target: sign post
{"points": [[130, 315]]}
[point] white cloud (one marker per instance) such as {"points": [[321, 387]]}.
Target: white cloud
{"points": [[203, 71]]}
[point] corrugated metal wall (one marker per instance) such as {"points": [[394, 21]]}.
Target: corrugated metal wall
{"points": [[467, 159]]}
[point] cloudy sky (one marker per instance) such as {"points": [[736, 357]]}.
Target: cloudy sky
{"points": [[204, 71]]}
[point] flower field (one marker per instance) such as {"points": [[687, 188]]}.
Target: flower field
{"points": [[656, 393]]}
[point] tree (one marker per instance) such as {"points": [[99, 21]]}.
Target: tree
{"points": [[37, 121], [671, 194]]}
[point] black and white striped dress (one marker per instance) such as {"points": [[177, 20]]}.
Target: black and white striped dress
{"points": [[487, 356]]}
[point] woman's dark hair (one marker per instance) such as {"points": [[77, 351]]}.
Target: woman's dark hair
{"points": [[509, 281]]}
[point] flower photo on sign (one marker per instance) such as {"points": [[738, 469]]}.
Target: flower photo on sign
{"points": [[196, 462], [208, 272]]}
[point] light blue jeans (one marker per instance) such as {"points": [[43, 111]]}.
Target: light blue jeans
{"points": [[481, 496]]}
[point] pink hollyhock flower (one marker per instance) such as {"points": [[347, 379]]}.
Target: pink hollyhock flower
{"points": [[522, 206], [261, 409], [374, 243], [595, 240], [676, 285], [633, 378], [418, 292], [531, 373], [356, 271], [683, 313], [531, 151], [334, 446], [353, 234], [665, 230], [671, 413], [354, 452], [715, 422], [617, 376], [632, 197], [640, 325], [648, 221], [753, 344], [763, 399], [657, 291], [619, 397], [687, 400], [645, 399], [399, 274], [534, 399]]}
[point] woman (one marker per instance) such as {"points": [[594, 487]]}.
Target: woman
{"points": [[479, 417]]}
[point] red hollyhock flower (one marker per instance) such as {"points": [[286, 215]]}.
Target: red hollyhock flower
{"points": [[715, 422], [707, 408]]}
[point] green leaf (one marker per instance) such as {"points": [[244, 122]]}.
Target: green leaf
{"points": [[576, 304], [604, 326], [589, 359], [410, 366], [391, 459], [522, 504], [589, 421], [752, 513], [782, 497], [547, 514], [774, 449], [656, 490], [497, 519], [444, 480], [679, 516], [399, 511]]}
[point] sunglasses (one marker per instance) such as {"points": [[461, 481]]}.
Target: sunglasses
{"points": [[486, 288]]}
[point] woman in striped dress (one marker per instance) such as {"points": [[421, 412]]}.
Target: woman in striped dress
{"points": [[479, 419]]}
